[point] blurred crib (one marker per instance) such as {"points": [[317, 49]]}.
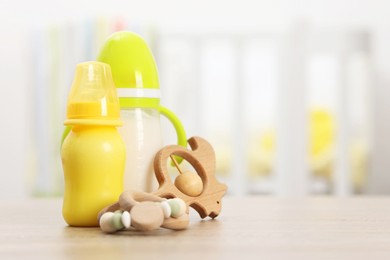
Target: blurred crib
{"points": [[288, 112]]}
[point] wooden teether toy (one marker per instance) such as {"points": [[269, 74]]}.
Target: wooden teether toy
{"points": [[168, 206], [202, 158], [144, 211]]}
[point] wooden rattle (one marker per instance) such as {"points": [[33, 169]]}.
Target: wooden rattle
{"points": [[144, 211], [202, 158]]}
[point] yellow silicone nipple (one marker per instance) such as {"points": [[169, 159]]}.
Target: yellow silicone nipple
{"points": [[93, 98]]}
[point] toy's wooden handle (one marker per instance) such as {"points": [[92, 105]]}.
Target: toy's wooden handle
{"points": [[193, 157], [202, 158]]}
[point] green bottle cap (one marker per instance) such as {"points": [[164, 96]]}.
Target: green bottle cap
{"points": [[133, 68]]}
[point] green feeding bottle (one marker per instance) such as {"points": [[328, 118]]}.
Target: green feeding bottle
{"points": [[135, 76]]}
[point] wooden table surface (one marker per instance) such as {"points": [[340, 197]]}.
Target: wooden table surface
{"points": [[248, 228]]}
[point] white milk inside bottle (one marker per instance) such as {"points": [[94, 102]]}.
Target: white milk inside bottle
{"points": [[142, 135]]}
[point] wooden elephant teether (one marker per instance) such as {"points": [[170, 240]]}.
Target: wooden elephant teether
{"points": [[202, 158]]}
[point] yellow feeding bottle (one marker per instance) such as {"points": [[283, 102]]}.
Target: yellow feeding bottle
{"points": [[93, 153], [136, 79]]}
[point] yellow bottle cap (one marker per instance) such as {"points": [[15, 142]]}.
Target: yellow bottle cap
{"points": [[93, 99]]}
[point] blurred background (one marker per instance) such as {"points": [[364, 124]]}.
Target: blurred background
{"points": [[294, 95]]}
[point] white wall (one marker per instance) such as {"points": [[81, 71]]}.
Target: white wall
{"points": [[18, 18]]}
